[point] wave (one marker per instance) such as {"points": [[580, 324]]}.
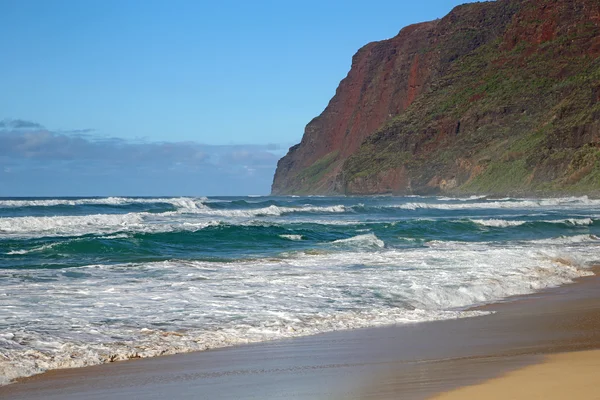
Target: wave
{"points": [[368, 240], [573, 202], [69, 225], [471, 198], [63, 244], [498, 223], [576, 221], [183, 205], [177, 221], [78, 225], [35, 249], [179, 202], [263, 299], [265, 270], [202, 204], [271, 210], [502, 223], [565, 240], [186, 218], [154, 342], [291, 237]]}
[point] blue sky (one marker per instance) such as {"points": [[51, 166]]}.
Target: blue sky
{"points": [[172, 97]]}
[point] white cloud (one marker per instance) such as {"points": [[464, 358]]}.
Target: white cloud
{"points": [[34, 150]]}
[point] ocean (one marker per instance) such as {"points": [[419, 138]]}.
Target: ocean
{"points": [[85, 281]]}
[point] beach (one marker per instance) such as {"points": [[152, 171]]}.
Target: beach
{"points": [[432, 233], [560, 376], [278, 297], [414, 361]]}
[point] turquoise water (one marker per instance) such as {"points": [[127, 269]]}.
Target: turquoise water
{"points": [[90, 280]]}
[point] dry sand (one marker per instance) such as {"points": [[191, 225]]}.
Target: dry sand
{"points": [[561, 376]]}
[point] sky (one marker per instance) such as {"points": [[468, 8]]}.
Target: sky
{"points": [[147, 97]]}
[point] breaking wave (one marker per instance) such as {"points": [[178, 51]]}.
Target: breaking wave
{"points": [[391, 287], [93, 280]]}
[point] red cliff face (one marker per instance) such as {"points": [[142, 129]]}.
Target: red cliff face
{"points": [[383, 81], [387, 78], [542, 21]]}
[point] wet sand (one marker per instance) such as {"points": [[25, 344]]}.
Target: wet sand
{"points": [[398, 362]]}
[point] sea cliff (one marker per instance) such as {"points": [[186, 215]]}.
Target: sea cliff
{"points": [[497, 97]]}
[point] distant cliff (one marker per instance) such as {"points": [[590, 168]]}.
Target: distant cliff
{"points": [[496, 97]]}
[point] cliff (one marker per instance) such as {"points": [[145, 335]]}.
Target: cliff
{"points": [[496, 97]]}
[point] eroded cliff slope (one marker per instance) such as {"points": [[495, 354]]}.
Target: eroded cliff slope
{"points": [[496, 97]]}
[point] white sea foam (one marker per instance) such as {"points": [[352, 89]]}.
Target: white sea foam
{"points": [[271, 210], [191, 215], [502, 223], [577, 221], [54, 244], [69, 224], [570, 240], [77, 225], [117, 236], [291, 237], [367, 240], [113, 201], [99, 313], [335, 222], [33, 250], [498, 223], [470, 198], [194, 305], [153, 342], [570, 202]]}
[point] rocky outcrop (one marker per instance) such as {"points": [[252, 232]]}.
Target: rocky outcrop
{"points": [[495, 97]]}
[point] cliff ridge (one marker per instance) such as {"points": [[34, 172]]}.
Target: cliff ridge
{"points": [[498, 97]]}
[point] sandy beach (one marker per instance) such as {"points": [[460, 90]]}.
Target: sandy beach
{"points": [[559, 376], [406, 361], [295, 201]]}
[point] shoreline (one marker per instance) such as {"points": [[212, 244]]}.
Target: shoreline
{"points": [[564, 320], [413, 359]]}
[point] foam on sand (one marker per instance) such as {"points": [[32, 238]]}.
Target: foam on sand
{"points": [[256, 300]]}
